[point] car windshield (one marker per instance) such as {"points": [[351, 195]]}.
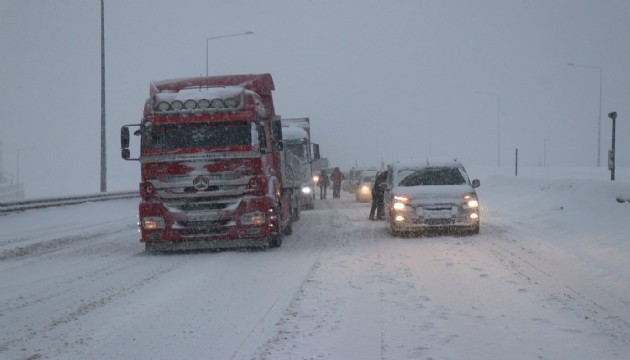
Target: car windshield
{"points": [[434, 176], [203, 135], [368, 179]]}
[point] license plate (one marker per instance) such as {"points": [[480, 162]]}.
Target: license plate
{"points": [[203, 217], [438, 214]]}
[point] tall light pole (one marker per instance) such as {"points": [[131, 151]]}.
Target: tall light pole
{"points": [[599, 113], [498, 125], [219, 37], [103, 138], [17, 169], [611, 156]]}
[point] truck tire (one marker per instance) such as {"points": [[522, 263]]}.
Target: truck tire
{"points": [[276, 240], [297, 212], [289, 229]]}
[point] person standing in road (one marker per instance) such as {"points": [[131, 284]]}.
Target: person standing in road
{"points": [[323, 184], [337, 177], [378, 194]]}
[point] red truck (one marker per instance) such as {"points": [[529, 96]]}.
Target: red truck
{"points": [[213, 167]]}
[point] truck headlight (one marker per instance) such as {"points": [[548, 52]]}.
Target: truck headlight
{"points": [[306, 190], [254, 218], [153, 223]]}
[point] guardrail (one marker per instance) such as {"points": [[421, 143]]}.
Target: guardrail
{"points": [[22, 205]]}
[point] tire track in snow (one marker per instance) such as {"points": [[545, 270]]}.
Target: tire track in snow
{"points": [[78, 311]]}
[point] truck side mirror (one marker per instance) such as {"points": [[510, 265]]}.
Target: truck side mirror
{"points": [[276, 129], [316, 152], [125, 153], [124, 137], [476, 183], [278, 146]]}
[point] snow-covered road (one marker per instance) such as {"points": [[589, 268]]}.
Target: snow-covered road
{"points": [[547, 278]]}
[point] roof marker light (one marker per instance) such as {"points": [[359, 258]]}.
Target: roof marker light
{"points": [[203, 104], [231, 102], [177, 105], [190, 104], [217, 103], [163, 106]]}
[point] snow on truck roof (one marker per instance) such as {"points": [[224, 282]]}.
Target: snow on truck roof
{"points": [[211, 94], [293, 133], [201, 93]]}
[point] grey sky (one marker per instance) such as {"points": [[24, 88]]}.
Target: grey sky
{"points": [[379, 80]]}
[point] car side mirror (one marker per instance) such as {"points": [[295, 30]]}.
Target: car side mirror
{"points": [[476, 183]]}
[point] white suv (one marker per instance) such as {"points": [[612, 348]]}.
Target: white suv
{"points": [[421, 195]]}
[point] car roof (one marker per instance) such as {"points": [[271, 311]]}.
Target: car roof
{"points": [[419, 164]]}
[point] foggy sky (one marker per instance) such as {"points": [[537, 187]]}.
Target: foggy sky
{"points": [[380, 81]]}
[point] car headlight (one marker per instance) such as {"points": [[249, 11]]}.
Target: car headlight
{"points": [[471, 200], [399, 206], [400, 201]]}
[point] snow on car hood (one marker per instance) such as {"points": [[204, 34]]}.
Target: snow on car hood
{"points": [[439, 193]]}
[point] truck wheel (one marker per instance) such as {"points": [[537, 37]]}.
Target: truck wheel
{"points": [[297, 212], [276, 240], [289, 229]]}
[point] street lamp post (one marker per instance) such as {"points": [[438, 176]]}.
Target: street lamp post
{"points": [[17, 169], [599, 113], [498, 125], [219, 37], [611, 156]]}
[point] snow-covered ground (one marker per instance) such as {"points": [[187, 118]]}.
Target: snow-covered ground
{"points": [[548, 277]]}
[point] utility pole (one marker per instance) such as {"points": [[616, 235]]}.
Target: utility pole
{"points": [[103, 138]]}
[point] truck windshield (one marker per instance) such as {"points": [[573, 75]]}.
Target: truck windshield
{"points": [[201, 135], [297, 149]]}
